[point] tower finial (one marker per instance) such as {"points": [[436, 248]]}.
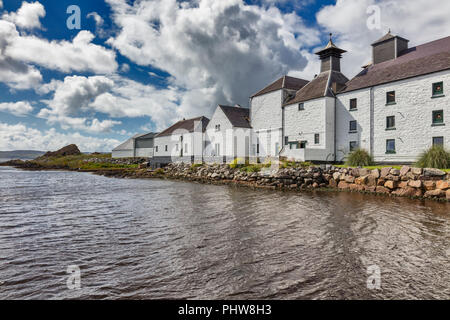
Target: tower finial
{"points": [[331, 36], [389, 30]]}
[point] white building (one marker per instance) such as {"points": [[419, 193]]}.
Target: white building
{"points": [[267, 117], [140, 146], [394, 108], [228, 135], [182, 142]]}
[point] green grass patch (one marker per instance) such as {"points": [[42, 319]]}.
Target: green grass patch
{"points": [[435, 157]]}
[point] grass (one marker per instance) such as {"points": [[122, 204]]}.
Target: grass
{"points": [[80, 162], [359, 158], [435, 157]]}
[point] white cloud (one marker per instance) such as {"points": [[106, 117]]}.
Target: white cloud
{"points": [[20, 108], [219, 51], [74, 94], [21, 53], [78, 55], [20, 137], [419, 21], [16, 74], [28, 16], [99, 21]]}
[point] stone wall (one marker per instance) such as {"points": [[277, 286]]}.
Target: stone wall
{"points": [[406, 182]]}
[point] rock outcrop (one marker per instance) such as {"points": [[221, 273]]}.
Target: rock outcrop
{"points": [[70, 150]]}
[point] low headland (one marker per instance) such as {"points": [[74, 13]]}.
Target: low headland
{"points": [[404, 181]]}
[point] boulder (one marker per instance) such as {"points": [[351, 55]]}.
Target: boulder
{"points": [[332, 183], [356, 187], [364, 172], [390, 184], [70, 150], [429, 185], [415, 184], [395, 172], [436, 193], [404, 170], [381, 189], [443, 185], [371, 181], [416, 171], [375, 173], [385, 172], [431, 172], [336, 176], [349, 179], [447, 194], [361, 180], [407, 192], [343, 185]]}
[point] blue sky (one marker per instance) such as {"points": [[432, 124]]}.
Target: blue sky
{"points": [[137, 66]]}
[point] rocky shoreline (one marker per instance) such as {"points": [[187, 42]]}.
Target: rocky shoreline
{"points": [[408, 181]]}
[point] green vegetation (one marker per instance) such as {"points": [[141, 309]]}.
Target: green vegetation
{"points": [[80, 162], [159, 171], [435, 157], [252, 168], [359, 158], [292, 164], [196, 165]]}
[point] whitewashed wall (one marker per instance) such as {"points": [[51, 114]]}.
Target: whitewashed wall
{"points": [[316, 118], [266, 121], [343, 118], [122, 154], [144, 152]]}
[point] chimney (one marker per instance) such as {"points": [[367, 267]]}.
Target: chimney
{"points": [[388, 48], [330, 57]]}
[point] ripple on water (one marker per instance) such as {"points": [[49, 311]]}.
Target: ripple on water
{"points": [[152, 239]]}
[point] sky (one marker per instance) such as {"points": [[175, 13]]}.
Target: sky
{"points": [[139, 66]]}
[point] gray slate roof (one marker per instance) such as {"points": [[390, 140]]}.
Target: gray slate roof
{"points": [[319, 87], [185, 125], [424, 59], [285, 82], [239, 117]]}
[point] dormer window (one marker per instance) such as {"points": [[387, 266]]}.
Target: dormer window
{"points": [[301, 106], [390, 97], [353, 104], [438, 89]]}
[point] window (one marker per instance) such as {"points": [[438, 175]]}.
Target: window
{"points": [[390, 123], [353, 126], [286, 140], [217, 127], [166, 148], [317, 138], [390, 146], [353, 146], [438, 89], [390, 97], [156, 148], [301, 106], [303, 144], [438, 141], [353, 104], [438, 117]]}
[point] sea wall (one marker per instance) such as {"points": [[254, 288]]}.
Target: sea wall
{"points": [[406, 182]]}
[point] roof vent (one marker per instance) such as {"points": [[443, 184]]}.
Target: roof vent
{"points": [[388, 47]]}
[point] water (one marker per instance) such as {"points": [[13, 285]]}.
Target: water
{"points": [[153, 239]]}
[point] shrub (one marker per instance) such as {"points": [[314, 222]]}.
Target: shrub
{"points": [[435, 157], [159, 171], [238, 163], [196, 165], [251, 168], [359, 158]]}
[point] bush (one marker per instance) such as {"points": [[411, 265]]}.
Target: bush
{"points": [[251, 168], [196, 165], [359, 158], [435, 157], [238, 163]]}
